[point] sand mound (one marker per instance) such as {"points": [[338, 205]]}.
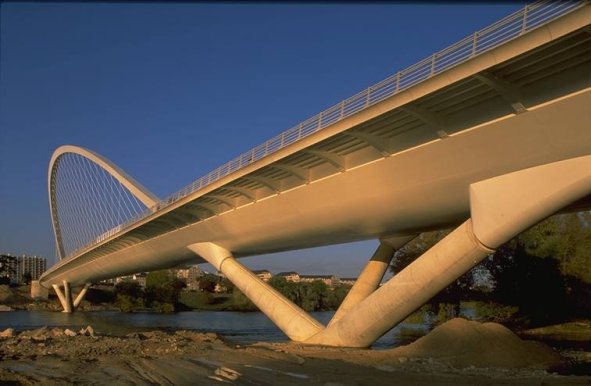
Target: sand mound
{"points": [[462, 343]]}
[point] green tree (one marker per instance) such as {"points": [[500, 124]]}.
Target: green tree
{"points": [[207, 282], [129, 296], [240, 302], [163, 290], [27, 277]]}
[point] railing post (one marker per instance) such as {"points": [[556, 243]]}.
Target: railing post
{"points": [[367, 96], [433, 57], [524, 24], [300, 131], [397, 81], [319, 126], [474, 43], [342, 110]]}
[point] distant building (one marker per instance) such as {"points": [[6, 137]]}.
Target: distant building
{"points": [[189, 274], [329, 280], [291, 276], [31, 264], [139, 278], [347, 280], [263, 274], [15, 267]]}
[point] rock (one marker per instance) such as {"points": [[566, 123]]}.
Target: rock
{"points": [[69, 332], [88, 331], [8, 333], [227, 373], [5, 308], [402, 359]]}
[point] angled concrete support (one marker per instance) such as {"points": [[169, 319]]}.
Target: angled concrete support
{"points": [[501, 207], [371, 276], [407, 291], [65, 297], [81, 295], [291, 319]]}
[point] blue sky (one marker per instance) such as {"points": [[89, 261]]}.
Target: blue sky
{"points": [[171, 91]]}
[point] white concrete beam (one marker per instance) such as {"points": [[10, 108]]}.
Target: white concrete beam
{"points": [[506, 90], [333, 159], [371, 140], [428, 118]]}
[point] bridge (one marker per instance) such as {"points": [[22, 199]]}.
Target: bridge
{"points": [[490, 136]]}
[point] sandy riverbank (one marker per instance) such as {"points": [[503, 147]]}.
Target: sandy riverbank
{"points": [[457, 353]]}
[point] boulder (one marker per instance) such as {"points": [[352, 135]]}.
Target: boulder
{"points": [[8, 333], [88, 331]]}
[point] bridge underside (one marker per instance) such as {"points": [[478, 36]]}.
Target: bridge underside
{"points": [[492, 147]]}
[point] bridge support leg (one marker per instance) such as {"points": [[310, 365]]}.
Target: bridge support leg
{"points": [[291, 319], [501, 207], [65, 297], [81, 295], [371, 276]]}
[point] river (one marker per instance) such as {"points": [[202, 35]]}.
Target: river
{"points": [[241, 327]]}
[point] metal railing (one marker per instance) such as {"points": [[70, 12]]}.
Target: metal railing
{"points": [[530, 17]]}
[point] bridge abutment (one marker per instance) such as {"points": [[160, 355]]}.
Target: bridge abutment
{"points": [[38, 291]]}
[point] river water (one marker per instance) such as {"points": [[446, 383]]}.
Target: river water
{"points": [[241, 327]]}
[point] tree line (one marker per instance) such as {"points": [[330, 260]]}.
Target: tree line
{"points": [[164, 293]]}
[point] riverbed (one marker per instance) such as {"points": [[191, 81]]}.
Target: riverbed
{"points": [[242, 327]]}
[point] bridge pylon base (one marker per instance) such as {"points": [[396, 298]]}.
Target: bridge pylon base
{"points": [[65, 296]]}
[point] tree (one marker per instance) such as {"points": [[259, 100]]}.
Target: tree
{"points": [[163, 290], [207, 282], [129, 296], [545, 270], [27, 277], [240, 302]]}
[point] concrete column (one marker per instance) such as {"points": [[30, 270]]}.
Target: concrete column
{"points": [[291, 319], [68, 297], [62, 298], [80, 296], [407, 291], [371, 276]]}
